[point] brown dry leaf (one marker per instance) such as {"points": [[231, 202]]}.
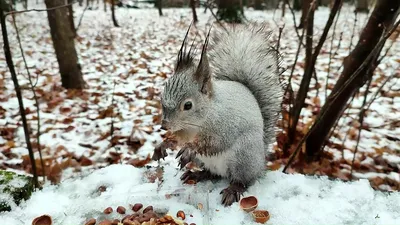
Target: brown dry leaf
{"points": [[68, 120], [140, 162], [84, 161], [69, 128], [106, 113], [274, 166], [55, 173]]}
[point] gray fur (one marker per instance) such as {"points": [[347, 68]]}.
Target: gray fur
{"points": [[235, 100]]}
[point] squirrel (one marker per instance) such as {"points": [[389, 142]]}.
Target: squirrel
{"points": [[222, 108]]}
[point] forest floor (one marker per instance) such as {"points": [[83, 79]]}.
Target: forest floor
{"points": [[116, 119]]}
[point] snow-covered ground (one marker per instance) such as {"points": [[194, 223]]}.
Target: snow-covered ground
{"points": [[131, 63], [290, 199]]}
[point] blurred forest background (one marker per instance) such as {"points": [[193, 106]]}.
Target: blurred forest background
{"points": [[79, 82]]}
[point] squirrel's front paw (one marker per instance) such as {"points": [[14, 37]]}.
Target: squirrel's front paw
{"points": [[186, 156], [232, 193], [197, 176], [160, 152]]}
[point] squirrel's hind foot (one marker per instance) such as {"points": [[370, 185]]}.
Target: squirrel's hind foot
{"points": [[198, 176], [232, 193]]}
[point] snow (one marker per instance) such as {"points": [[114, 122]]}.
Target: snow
{"points": [[290, 199], [139, 55]]}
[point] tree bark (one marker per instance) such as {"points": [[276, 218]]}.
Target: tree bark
{"points": [[159, 6], [113, 13], [193, 6], [63, 42], [230, 11], [296, 5], [71, 17], [383, 17], [258, 4], [362, 6], [305, 6]]}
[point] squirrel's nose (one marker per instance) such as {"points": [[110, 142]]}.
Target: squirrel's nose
{"points": [[164, 125]]}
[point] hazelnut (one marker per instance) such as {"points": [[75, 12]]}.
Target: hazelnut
{"points": [[137, 207], [105, 222], [181, 214], [121, 210], [108, 210], [115, 222], [91, 221], [148, 208]]}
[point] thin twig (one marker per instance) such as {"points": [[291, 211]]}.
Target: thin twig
{"points": [[112, 122], [366, 62], [360, 123], [80, 19], [39, 10], [34, 96], [294, 22], [14, 78], [330, 54]]}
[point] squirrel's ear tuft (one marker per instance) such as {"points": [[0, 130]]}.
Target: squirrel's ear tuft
{"points": [[185, 58], [203, 73]]}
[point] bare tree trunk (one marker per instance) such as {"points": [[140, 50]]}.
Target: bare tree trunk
{"points": [[230, 11], [10, 64], [113, 13], [383, 17], [296, 5], [71, 17], [258, 4], [63, 42], [105, 5], [362, 6], [159, 6], [193, 6], [305, 6]]}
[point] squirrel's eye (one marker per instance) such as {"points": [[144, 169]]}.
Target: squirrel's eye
{"points": [[187, 106]]}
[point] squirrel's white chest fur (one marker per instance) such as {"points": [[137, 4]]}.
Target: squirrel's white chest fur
{"points": [[217, 164]]}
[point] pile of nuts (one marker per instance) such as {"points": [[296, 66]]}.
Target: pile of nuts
{"points": [[141, 217]]}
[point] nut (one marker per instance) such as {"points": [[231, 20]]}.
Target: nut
{"points": [[192, 224], [249, 203], [261, 216], [181, 214], [148, 208], [91, 222], [200, 206], [121, 210], [105, 222], [137, 207], [115, 222], [108, 210]]}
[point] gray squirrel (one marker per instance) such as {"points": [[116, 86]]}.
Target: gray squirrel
{"points": [[222, 108]]}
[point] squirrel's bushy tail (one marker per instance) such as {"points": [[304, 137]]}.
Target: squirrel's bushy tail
{"points": [[244, 54]]}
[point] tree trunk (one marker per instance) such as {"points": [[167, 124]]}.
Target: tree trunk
{"points": [[113, 13], [230, 11], [258, 4], [362, 6], [105, 5], [71, 17], [159, 7], [381, 18], [63, 42], [305, 6], [297, 5], [193, 6]]}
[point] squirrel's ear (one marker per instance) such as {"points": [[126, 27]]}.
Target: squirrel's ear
{"points": [[203, 73]]}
